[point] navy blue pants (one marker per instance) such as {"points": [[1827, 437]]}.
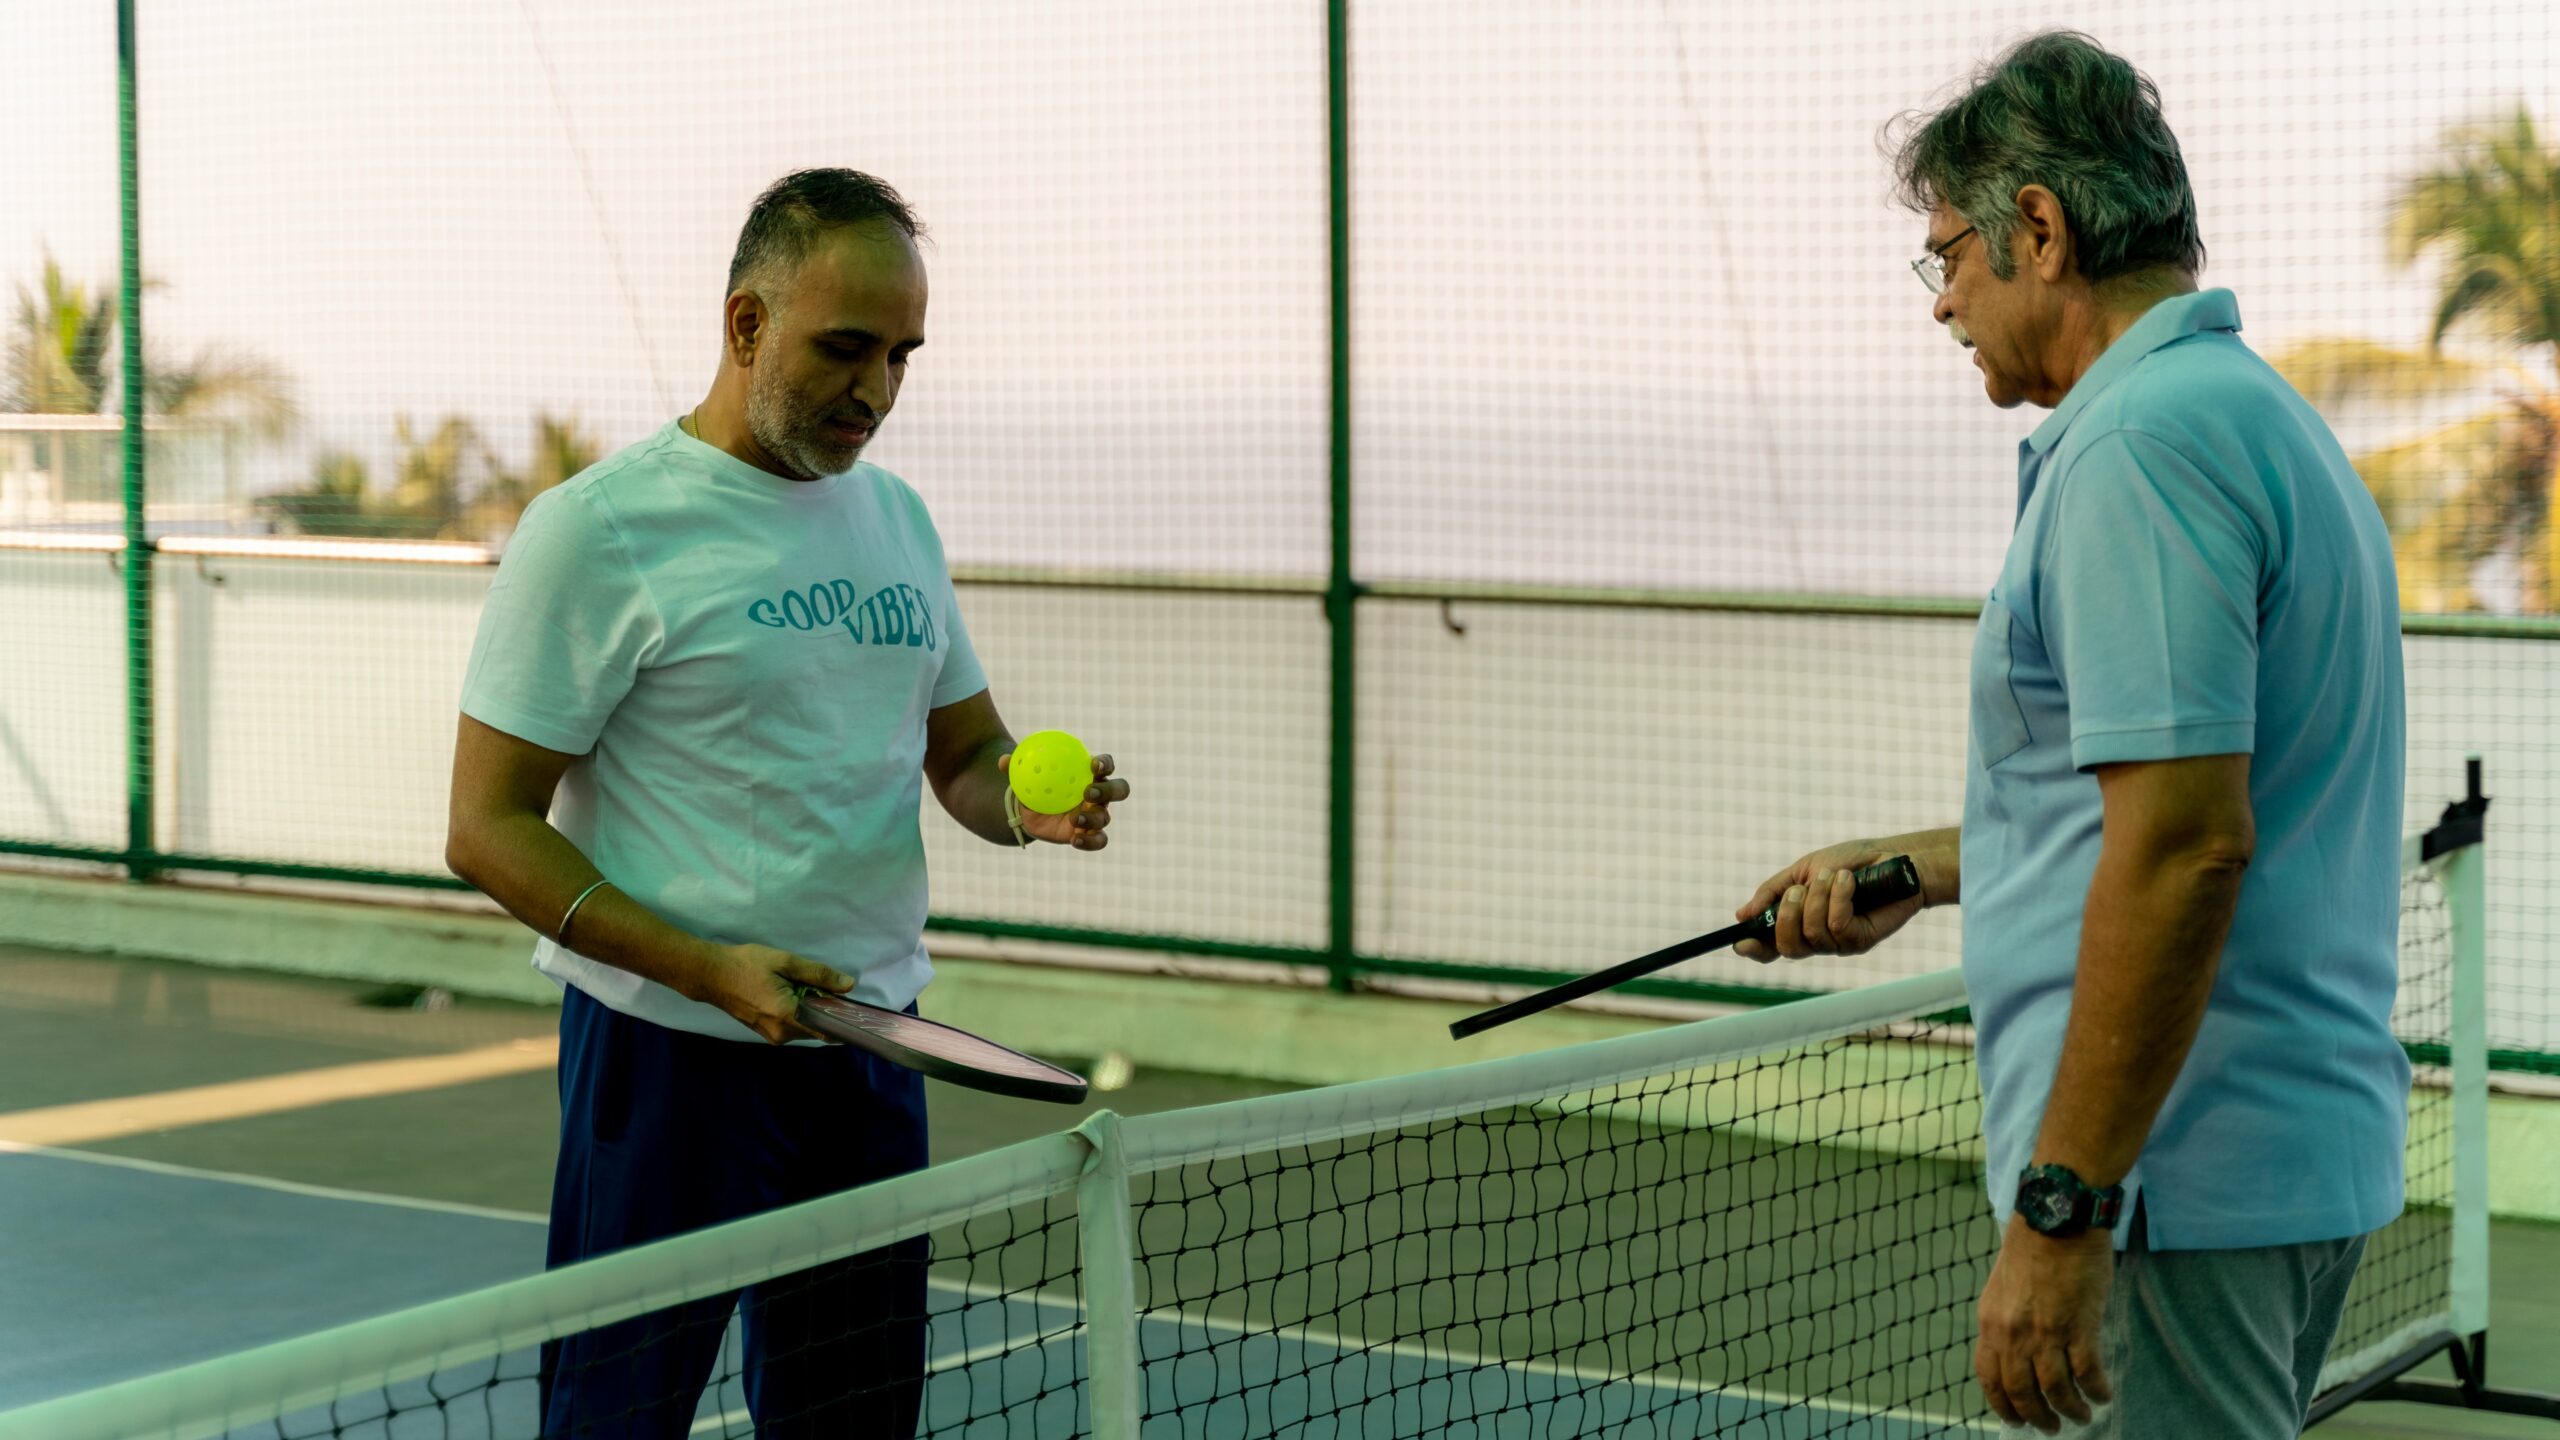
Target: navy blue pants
{"points": [[662, 1131]]}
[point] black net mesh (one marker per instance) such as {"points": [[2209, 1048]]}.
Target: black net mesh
{"points": [[1787, 1241], [2407, 1273], [972, 1331], [1800, 1235]]}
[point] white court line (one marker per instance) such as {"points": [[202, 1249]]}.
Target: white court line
{"points": [[973, 1289], [979, 1290], [123, 1115], [1449, 1355], [1470, 1359], [262, 1182]]}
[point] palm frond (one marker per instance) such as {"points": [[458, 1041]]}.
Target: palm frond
{"points": [[2335, 370], [438, 473], [2542, 550], [228, 384], [2460, 494], [59, 345], [2418, 477], [2494, 294], [561, 448], [2491, 208], [2434, 570]]}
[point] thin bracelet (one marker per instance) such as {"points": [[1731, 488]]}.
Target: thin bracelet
{"points": [[573, 908], [1013, 819]]}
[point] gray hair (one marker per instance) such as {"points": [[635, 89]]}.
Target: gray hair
{"points": [[794, 210], [2057, 110]]}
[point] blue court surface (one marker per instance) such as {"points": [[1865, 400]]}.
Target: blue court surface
{"points": [[1010, 1369], [255, 1261], [113, 1269]]}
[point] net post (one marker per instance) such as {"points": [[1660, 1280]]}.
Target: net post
{"points": [[1114, 1393], [2466, 887]]}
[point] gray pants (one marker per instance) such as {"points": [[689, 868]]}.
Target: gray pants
{"points": [[2218, 1344]]}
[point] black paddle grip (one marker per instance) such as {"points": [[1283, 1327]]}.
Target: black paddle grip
{"points": [[1879, 885]]}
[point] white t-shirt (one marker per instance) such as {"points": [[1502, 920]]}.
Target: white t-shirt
{"points": [[743, 665]]}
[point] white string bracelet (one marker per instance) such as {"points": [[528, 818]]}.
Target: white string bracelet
{"points": [[573, 908]]}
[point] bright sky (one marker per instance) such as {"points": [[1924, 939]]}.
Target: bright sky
{"points": [[1634, 307]]}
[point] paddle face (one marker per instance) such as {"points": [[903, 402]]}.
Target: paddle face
{"points": [[939, 1050]]}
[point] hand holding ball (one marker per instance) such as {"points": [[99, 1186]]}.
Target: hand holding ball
{"points": [[1050, 771], [1058, 791]]}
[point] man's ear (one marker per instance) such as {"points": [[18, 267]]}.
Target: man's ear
{"points": [[2048, 233], [746, 319]]}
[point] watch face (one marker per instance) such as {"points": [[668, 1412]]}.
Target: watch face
{"points": [[2043, 1202]]}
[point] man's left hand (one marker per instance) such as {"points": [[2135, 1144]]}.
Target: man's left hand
{"points": [[1081, 827], [2037, 1357]]}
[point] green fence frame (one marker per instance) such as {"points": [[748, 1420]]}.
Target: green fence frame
{"points": [[1340, 591], [138, 551]]}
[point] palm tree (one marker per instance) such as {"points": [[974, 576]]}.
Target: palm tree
{"points": [[561, 448], [59, 347], [336, 502], [446, 483], [2486, 484], [432, 477], [62, 356]]}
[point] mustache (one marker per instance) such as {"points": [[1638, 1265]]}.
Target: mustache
{"points": [[1956, 332], [861, 414]]}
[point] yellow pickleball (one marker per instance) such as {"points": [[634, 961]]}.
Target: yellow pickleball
{"points": [[1050, 772]]}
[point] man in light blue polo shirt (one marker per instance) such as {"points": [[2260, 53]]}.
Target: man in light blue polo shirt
{"points": [[2179, 860]]}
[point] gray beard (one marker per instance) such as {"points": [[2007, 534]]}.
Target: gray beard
{"points": [[771, 426]]}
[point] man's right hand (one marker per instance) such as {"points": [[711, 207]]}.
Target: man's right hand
{"points": [[1815, 897], [760, 987]]}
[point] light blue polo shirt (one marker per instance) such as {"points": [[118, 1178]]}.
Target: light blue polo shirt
{"points": [[2197, 570]]}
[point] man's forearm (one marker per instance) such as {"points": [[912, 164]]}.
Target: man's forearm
{"points": [[2150, 942], [974, 795], [533, 871], [1939, 856]]}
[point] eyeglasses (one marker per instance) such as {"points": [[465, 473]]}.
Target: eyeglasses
{"points": [[1932, 268]]}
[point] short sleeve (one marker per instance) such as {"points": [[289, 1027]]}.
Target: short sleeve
{"points": [[2149, 606], [567, 628], [961, 675]]}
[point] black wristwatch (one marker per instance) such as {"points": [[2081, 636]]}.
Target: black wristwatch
{"points": [[2055, 1202]]}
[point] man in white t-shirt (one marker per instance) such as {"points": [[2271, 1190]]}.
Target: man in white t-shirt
{"points": [[712, 678]]}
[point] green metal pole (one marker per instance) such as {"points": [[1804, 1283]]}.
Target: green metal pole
{"points": [[1341, 592], [137, 539]]}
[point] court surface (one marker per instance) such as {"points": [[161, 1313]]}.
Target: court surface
{"points": [[226, 1160], [150, 1256]]}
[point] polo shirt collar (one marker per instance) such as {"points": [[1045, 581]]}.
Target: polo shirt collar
{"points": [[2171, 320]]}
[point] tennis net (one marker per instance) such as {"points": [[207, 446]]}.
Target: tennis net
{"points": [[1770, 1223]]}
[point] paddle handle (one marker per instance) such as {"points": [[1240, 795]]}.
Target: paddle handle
{"points": [[1877, 885]]}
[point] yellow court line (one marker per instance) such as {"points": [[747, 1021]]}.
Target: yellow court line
{"points": [[93, 1120]]}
